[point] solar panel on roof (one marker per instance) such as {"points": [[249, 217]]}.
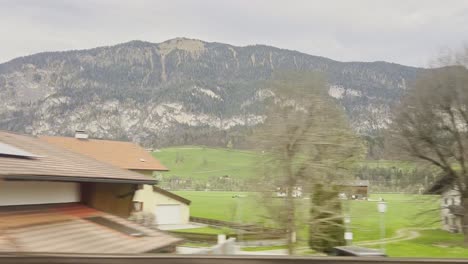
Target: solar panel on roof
{"points": [[9, 150]]}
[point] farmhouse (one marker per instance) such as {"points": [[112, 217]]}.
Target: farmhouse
{"points": [[451, 211], [55, 200], [359, 189], [166, 207]]}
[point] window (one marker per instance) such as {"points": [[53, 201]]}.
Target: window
{"points": [[453, 201], [445, 201], [446, 220], [137, 206]]}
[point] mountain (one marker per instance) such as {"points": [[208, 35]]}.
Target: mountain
{"points": [[179, 91]]}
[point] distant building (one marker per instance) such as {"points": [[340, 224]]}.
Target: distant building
{"points": [[296, 192], [359, 189], [167, 207], [355, 189], [451, 211]]}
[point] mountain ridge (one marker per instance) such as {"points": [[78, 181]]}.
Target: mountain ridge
{"points": [[210, 42], [179, 91]]}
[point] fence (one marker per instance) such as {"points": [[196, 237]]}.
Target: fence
{"points": [[234, 225], [245, 236], [248, 231]]}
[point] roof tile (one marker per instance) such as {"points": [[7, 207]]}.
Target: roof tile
{"points": [[125, 155], [53, 162]]}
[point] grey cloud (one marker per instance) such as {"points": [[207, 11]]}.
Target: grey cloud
{"points": [[407, 32]]}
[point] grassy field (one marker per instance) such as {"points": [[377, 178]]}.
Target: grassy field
{"points": [[222, 205], [431, 244], [202, 163], [404, 211], [204, 230]]}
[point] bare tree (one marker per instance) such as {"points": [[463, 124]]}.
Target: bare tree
{"points": [[431, 124], [305, 140]]}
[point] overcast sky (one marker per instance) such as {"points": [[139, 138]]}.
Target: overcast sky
{"points": [[410, 32]]}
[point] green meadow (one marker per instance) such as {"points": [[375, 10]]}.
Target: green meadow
{"points": [[405, 213], [202, 162]]}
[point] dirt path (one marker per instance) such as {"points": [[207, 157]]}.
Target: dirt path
{"points": [[402, 234]]}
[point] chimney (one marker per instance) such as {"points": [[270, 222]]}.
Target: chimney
{"points": [[81, 134]]}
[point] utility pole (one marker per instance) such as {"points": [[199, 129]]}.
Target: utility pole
{"points": [[348, 235], [382, 208], [239, 217]]}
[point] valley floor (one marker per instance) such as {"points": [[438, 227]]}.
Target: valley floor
{"points": [[411, 222]]}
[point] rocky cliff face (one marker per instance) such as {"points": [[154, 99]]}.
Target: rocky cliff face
{"points": [[178, 91]]}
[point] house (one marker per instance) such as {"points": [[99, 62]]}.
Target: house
{"points": [[282, 192], [57, 201], [354, 189], [451, 211], [167, 207]]}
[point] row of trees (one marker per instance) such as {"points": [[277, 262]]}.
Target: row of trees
{"points": [[395, 179], [381, 179], [309, 143]]}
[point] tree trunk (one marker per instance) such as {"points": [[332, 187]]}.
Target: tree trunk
{"points": [[291, 221], [464, 203]]}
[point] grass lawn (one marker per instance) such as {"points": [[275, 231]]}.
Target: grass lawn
{"points": [[431, 244], [404, 211], [263, 248], [204, 230], [202, 162], [222, 205]]}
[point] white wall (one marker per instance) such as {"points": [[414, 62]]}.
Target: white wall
{"points": [[450, 222], [38, 192], [151, 199]]}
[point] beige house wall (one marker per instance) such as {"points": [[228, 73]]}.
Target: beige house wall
{"points": [[151, 199]]}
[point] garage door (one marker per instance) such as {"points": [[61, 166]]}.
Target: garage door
{"points": [[168, 214]]}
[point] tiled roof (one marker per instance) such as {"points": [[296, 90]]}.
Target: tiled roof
{"points": [[172, 195], [55, 163], [124, 155], [68, 228]]}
